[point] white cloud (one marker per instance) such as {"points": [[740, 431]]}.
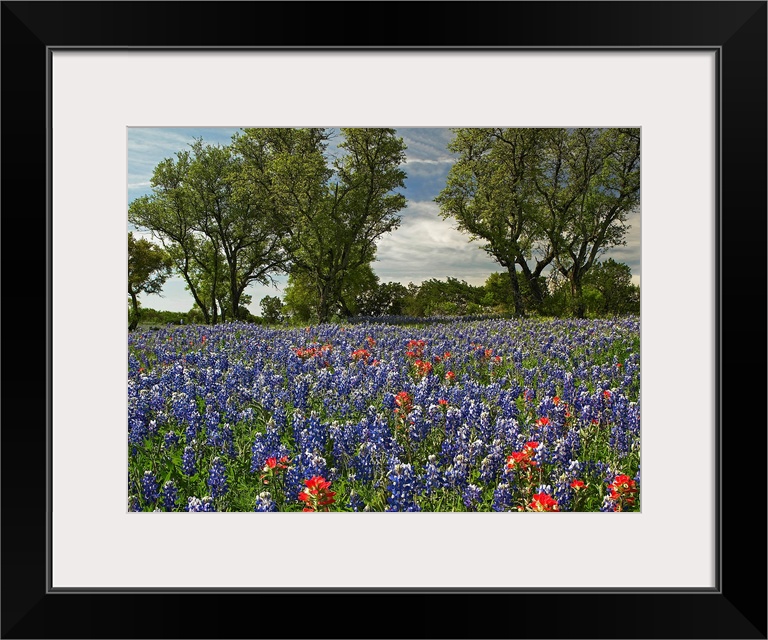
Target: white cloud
{"points": [[426, 246], [426, 143]]}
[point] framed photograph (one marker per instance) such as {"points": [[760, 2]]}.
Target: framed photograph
{"points": [[81, 79]]}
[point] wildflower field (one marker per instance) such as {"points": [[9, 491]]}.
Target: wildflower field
{"points": [[491, 415]]}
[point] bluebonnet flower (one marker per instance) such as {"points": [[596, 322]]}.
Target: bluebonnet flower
{"points": [[474, 451], [137, 430], [170, 495], [259, 453], [149, 488], [471, 497], [608, 505], [227, 442], [432, 479], [217, 478], [563, 492], [456, 475], [363, 462], [195, 505], [133, 503], [401, 490], [502, 497], [264, 502], [171, 439], [490, 467], [355, 501], [189, 461]]}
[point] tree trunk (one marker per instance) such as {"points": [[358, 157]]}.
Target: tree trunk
{"points": [[214, 307], [234, 291], [517, 296], [532, 278], [195, 295], [135, 322], [322, 307], [576, 292]]}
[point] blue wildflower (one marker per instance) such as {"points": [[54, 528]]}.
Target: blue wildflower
{"points": [[149, 488], [217, 478], [189, 462]]}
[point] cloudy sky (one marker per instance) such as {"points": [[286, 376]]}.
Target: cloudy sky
{"points": [[424, 246]]}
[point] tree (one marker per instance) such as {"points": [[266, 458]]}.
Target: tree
{"points": [[302, 300], [588, 182], [148, 269], [272, 309], [542, 197], [612, 281], [168, 214], [450, 298], [500, 293], [218, 224], [490, 194], [332, 213], [237, 216], [386, 299]]}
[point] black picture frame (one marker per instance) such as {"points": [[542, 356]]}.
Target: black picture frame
{"points": [[736, 608]]}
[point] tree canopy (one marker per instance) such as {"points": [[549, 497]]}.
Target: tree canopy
{"points": [[148, 269], [273, 201], [542, 197]]}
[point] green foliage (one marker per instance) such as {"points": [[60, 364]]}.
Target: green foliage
{"points": [[332, 210], [272, 309], [270, 202], [195, 316], [148, 269], [155, 317], [217, 222], [541, 197], [303, 295], [451, 298], [499, 292], [607, 291], [386, 299], [611, 289]]}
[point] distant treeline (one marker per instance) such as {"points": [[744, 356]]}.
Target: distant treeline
{"points": [[608, 291]]}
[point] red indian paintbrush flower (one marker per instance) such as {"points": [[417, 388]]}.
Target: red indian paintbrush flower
{"points": [[577, 484], [316, 496], [623, 489], [423, 367], [415, 348], [523, 459], [404, 401], [518, 458], [543, 502], [361, 354], [272, 466], [273, 463]]}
